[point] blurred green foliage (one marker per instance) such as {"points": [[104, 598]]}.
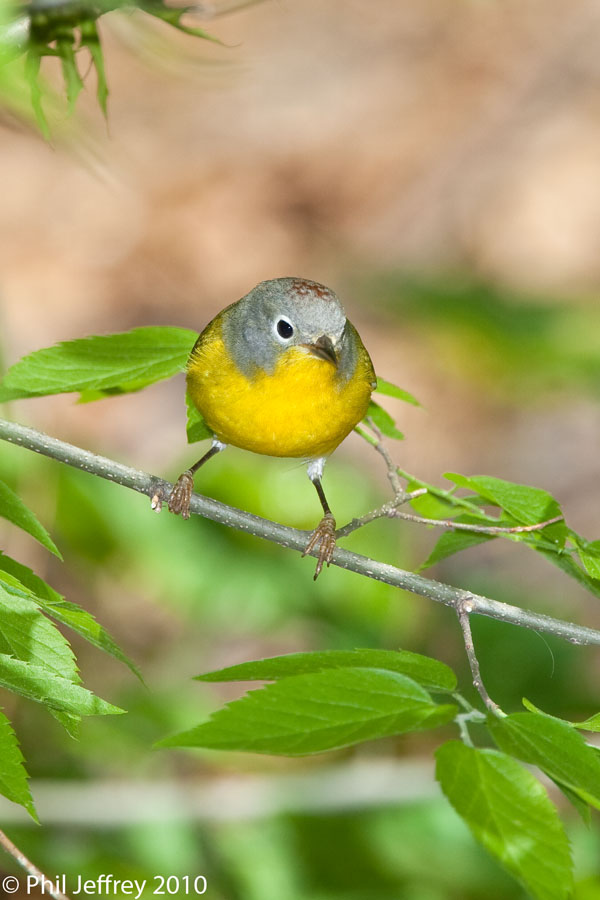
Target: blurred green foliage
{"points": [[517, 347]]}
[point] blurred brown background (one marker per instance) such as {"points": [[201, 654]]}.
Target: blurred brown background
{"points": [[326, 139]]}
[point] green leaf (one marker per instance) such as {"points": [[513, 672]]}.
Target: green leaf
{"points": [[7, 395], [589, 554], [318, 711], [528, 505], [530, 706], [70, 722], [91, 40], [580, 805], [508, 811], [13, 509], [582, 808], [73, 83], [591, 724], [552, 745], [37, 683], [61, 610], [197, 429], [382, 419], [430, 673], [453, 542], [13, 777], [32, 75], [28, 635], [392, 390], [441, 504], [121, 362]]}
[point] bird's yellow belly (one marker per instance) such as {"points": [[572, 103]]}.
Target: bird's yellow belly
{"points": [[302, 409]]}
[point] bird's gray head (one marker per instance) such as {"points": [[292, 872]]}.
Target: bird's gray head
{"points": [[284, 313]]}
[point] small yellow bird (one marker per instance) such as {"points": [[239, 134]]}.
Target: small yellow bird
{"points": [[284, 373]]}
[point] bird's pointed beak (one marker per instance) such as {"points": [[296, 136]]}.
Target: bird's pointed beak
{"points": [[323, 348]]}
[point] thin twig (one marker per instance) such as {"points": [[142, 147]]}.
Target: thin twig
{"points": [[463, 611], [479, 529], [384, 511], [49, 887], [293, 538], [392, 468], [390, 510]]}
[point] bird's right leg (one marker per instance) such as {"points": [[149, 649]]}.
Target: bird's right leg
{"points": [[179, 498]]}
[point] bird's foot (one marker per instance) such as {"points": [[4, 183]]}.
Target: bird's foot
{"points": [[324, 536], [179, 498]]}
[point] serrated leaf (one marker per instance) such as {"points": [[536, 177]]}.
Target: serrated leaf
{"points": [[430, 673], [122, 362], [13, 776], [384, 422], [452, 542], [527, 505], [14, 510], [37, 683], [197, 429], [508, 811], [319, 711], [64, 611], [28, 635], [552, 745], [392, 390]]}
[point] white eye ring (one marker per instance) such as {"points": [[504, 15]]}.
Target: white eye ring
{"points": [[283, 328]]}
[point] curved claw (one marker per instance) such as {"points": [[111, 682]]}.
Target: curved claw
{"points": [[180, 496], [324, 535]]}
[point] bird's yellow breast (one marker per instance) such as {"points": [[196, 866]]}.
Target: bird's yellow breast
{"points": [[302, 409]]}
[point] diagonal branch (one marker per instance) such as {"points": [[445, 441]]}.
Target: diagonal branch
{"points": [[293, 538]]}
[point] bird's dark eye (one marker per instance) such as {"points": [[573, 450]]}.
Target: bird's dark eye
{"points": [[284, 329]]}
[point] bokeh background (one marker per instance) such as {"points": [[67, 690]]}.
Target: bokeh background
{"points": [[436, 162]]}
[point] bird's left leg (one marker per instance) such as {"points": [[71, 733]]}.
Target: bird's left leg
{"points": [[324, 533]]}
